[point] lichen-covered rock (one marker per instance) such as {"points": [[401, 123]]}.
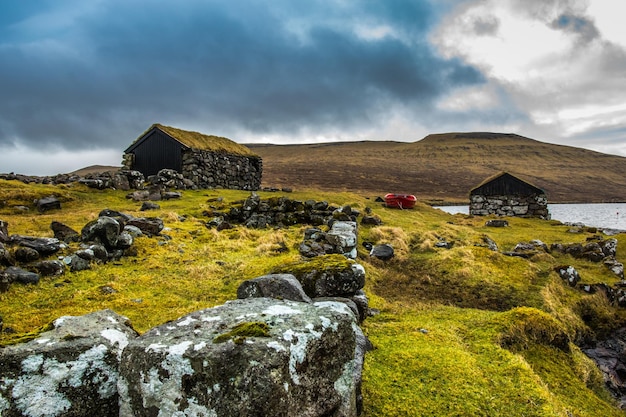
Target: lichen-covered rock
{"points": [[614, 266], [281, 286], [70, 370], [327, 275], [252, 357], [609, 247], [343, 237], [569, 274], [103, 230]]}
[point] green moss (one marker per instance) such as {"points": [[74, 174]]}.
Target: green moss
{"points": [[26, 337], [333, 262], [525, 327], [204, 142], [239, 333]]}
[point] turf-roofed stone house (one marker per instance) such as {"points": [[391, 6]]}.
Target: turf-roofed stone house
{"points": [[208, 161], [507, 195]]}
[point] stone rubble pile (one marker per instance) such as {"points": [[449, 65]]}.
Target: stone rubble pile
{"points": [[120, 179], [26, 259], [258, 213]]}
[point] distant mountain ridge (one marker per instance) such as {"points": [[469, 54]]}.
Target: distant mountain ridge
{"points": [[445, 166]]}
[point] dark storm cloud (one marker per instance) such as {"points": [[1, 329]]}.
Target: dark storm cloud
{"points": [[96, 74]]}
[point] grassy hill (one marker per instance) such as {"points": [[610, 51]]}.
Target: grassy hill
{"points": [[461, 332], [446, 166]]}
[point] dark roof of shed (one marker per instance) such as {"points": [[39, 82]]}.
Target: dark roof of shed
{"points": [[196, 140], [506, 176]]}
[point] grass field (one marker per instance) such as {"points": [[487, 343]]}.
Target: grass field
{"points": [[461, 332]]}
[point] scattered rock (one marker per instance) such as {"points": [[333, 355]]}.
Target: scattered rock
{"points": [[49, 268], [496, 223], [48, 203], [77, 263], [279, 286], [609, 356], [384, 252], [170, 195], [614, 266], [327, 276], [22, 276], [442, 243], [149, 205], [569, 274], [371, 220], [4, 231], [44, 245], [103, 230], [64, 233], [26, 254], [6, 257], [150, 226], [490, 243]]}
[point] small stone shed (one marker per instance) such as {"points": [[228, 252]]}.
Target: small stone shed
{"points": [[507, 195], [208, 161]]}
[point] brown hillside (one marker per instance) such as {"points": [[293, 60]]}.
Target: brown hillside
{"points": [[446, 166]]}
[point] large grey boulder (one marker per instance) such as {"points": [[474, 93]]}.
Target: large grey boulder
{"points": [[252, 357], [70, 370]]}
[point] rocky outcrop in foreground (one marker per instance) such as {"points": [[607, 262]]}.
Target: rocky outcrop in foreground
{"points": [[256, 356]]}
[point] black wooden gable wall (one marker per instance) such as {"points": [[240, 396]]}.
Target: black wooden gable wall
{"points": [[506, 184], [156, 151]]}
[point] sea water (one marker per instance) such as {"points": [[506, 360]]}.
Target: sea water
{"points": [[604, 215]]}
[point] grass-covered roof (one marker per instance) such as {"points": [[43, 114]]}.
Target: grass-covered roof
{"points": [[200, 141]]}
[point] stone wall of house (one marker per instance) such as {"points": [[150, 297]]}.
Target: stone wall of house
{"points": [[519, 206], [208, 169]]}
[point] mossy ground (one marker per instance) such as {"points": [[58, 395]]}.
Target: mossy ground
{"points": [[462, 331]]}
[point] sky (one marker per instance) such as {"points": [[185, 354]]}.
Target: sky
{"points": [[81, 80]]}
